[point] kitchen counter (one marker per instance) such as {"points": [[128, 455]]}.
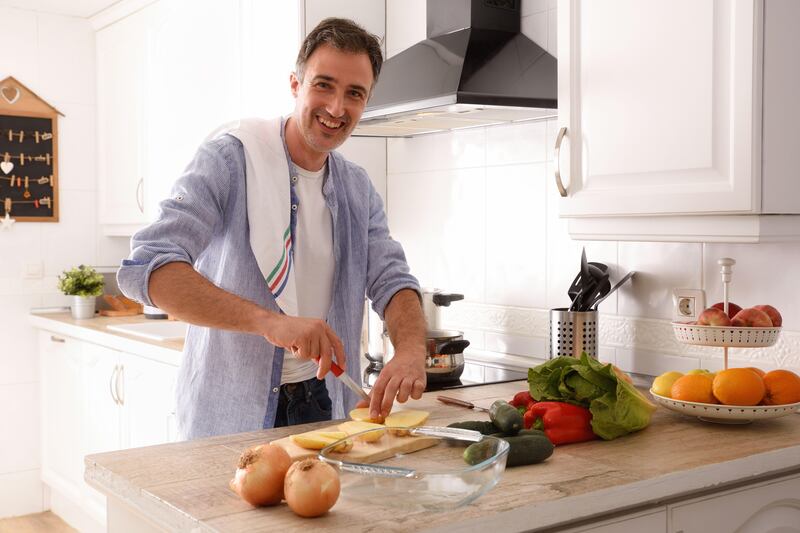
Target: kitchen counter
{"points": [[184, 486], [95, 330]]}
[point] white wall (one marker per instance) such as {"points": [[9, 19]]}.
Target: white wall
{"points": [[53, 56], [476, 211]]}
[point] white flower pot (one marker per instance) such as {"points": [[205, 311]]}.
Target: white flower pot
{"points": [[82, 307]]}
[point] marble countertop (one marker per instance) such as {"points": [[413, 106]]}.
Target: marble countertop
{"points": [[184, 486]]}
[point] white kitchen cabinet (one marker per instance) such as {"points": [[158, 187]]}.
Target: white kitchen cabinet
{"points": [[368, 13], [406, 24], [96, 399], [661, 105], [121, 81], [770, 506], [650, 521]]}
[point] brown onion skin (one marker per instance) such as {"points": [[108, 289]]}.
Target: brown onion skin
{"points": [[260, 475], [311, 487]]}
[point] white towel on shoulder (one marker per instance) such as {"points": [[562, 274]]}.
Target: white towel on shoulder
{"points": [[268, 204]]}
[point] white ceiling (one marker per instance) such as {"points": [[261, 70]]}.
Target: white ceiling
{"points": [[72, 8]]}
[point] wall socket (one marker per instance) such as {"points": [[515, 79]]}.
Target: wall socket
{"points": [[688, 304]]}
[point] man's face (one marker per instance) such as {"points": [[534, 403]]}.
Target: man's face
{"points": [[331, 98]]}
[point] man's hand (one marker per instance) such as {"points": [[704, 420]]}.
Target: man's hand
{"points": [[306, 338], [404, 374], [402, 377]]}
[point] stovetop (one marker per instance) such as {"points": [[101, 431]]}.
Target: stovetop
{"points": [[474, 374]]}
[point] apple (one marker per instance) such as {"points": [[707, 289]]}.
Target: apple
{"points": [[713, 317], [732, 308], [773, 314], [751, 318]]}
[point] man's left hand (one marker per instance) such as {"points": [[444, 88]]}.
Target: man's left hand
{"points": [[401, 378]]}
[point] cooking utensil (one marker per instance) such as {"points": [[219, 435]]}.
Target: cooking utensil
{"points": [[435, 478], [445, 358], [461, 403], [347, 380], [601, 288], [625, 278], [595, 269]]}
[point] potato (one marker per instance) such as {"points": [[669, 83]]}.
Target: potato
{"points": [[316, 440], [355, 426], [406, 419], [362, 415]]}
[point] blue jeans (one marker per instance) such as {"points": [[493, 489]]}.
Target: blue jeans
{"points": [[303, 402]]}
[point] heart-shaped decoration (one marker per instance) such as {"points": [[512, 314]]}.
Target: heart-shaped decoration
{"points": [[6, 166], [10, 94]]}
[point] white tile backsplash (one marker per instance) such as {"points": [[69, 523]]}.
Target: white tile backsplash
{"points": [[73, 241], [76, 147], [523, 142], [439, 151]]}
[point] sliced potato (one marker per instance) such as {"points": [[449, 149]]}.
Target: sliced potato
{"points": [[406, 419], [362, 415], [356, 426], [316, 440]]}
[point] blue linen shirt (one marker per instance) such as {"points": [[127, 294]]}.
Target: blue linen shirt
{"points": [[228, 382]]}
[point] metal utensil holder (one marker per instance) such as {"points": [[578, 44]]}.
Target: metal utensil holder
{"points": [[573, 332]]}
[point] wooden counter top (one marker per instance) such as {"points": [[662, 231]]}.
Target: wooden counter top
{"points": [[184, 486]]}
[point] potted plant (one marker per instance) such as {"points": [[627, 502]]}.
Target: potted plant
{"points": [[84, 284]]}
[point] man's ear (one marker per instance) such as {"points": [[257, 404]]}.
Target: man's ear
{"points": [[294, 84]]}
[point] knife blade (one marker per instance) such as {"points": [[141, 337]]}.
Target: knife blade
{"points": [[461, 403], [348, 381]]}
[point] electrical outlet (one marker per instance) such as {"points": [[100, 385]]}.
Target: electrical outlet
{"points": [[688, 304]]}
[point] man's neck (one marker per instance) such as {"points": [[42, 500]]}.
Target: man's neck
{"points": [[301, 155]]}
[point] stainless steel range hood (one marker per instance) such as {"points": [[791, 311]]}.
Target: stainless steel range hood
{"points": [[474, 69]]}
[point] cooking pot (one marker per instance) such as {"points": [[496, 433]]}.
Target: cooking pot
{"points": [[445, 353]]}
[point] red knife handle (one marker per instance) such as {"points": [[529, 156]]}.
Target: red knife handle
{"points": [[336, 369]]}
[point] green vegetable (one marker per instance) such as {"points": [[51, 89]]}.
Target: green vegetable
{"points": [[523, 450], [505, 417], [617, 407], [485, 427]]}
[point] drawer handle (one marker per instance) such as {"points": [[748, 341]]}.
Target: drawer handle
{"points": [[561, 134], [111, 381], [120, 389], [57, 339], [140, 195]]}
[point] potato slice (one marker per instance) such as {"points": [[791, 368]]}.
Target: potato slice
{"points": [[316, 440], [362, 415], [356, 426], [406, 419]]}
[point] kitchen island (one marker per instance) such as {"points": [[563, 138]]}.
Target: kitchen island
{"points": [[675, 475]]}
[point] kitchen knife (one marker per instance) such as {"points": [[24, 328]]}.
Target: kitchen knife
{"points": [[347, 380], [461, 403]]}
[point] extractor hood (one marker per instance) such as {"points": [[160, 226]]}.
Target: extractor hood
{"points": [[474, 69]]}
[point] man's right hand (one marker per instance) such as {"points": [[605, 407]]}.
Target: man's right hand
{"points": [[306, 338]]}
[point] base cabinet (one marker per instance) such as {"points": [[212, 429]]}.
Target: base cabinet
{"points": [[96, 399]]}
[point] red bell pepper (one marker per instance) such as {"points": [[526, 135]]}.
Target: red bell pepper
{"points": [[563, 423], [522, 401]]}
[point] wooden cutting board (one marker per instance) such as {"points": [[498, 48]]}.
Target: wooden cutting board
{"points": [[364, 452]]}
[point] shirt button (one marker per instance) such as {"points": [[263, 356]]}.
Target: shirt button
{"points": [[294, 179], [294, 207], [274, 389]]}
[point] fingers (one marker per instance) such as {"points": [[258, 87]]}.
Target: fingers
{"points": [[337, 346], [417, 389], [389, 395], [324, 357], [404, 390], [362, 403]]}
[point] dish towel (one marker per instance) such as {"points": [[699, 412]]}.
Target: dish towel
{"points": [[268, 204]]}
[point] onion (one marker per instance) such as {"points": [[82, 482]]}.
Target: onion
{"points": [[311, 487], [260, 473]]}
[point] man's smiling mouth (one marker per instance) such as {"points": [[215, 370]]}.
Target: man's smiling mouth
{"points": [[332, 124]]}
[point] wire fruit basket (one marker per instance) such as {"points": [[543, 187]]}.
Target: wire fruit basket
{"points": [[725, 336]]}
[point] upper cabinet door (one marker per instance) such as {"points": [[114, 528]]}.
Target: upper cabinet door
{"points": [[370, 14], [661, 104]]}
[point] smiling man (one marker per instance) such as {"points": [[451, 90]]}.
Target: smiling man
{"points": [[268, 245]]}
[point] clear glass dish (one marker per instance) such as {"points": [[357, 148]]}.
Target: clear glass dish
{"points": [[422, 470]]}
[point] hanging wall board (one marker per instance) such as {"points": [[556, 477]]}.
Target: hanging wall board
{"points": [[28, 154]]}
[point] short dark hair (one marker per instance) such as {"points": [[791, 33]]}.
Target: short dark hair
{"points": [[345, 35]]}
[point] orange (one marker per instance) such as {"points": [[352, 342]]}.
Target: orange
{"points": [[693, 388], [757, 371], [783, 386], [739, 386]]}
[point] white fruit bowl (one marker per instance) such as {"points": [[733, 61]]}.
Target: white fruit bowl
{"points": [[725, 335], [726, 414]]}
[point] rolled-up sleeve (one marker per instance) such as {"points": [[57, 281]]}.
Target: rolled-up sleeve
{"points": [[387, 269], [186, 224]]}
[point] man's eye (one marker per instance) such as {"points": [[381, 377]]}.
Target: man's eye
{"points": [[322, 85], [356, 94]]}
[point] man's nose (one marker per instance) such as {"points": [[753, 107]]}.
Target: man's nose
{"points": [[335, 105]]}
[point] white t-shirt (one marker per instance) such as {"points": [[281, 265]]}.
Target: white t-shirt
{"points": [[313, 262]]}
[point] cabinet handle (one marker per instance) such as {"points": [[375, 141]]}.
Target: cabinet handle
{"points": [[111, 382], [140, 195], [119, 385], [561, 133], [57, 339]]}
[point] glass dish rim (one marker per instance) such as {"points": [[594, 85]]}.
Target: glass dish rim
{"points": [[503, 451]]}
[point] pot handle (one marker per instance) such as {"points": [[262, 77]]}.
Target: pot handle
{"points": [[453, 347], [443, 299]]}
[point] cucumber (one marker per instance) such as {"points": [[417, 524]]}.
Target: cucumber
{"points": [[528, 450], [506, 417], [537, 432], [523, 450], [483, 426]]}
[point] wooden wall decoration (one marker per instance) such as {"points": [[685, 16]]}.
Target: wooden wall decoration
{"points": [[28, 154]]}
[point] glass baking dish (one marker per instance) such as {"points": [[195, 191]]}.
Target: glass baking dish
{"points": [[435, 477]]}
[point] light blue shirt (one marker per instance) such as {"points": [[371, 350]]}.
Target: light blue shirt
{"points": [[228, 382]]}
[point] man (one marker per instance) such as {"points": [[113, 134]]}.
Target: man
{"points": [[269, 243]]}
